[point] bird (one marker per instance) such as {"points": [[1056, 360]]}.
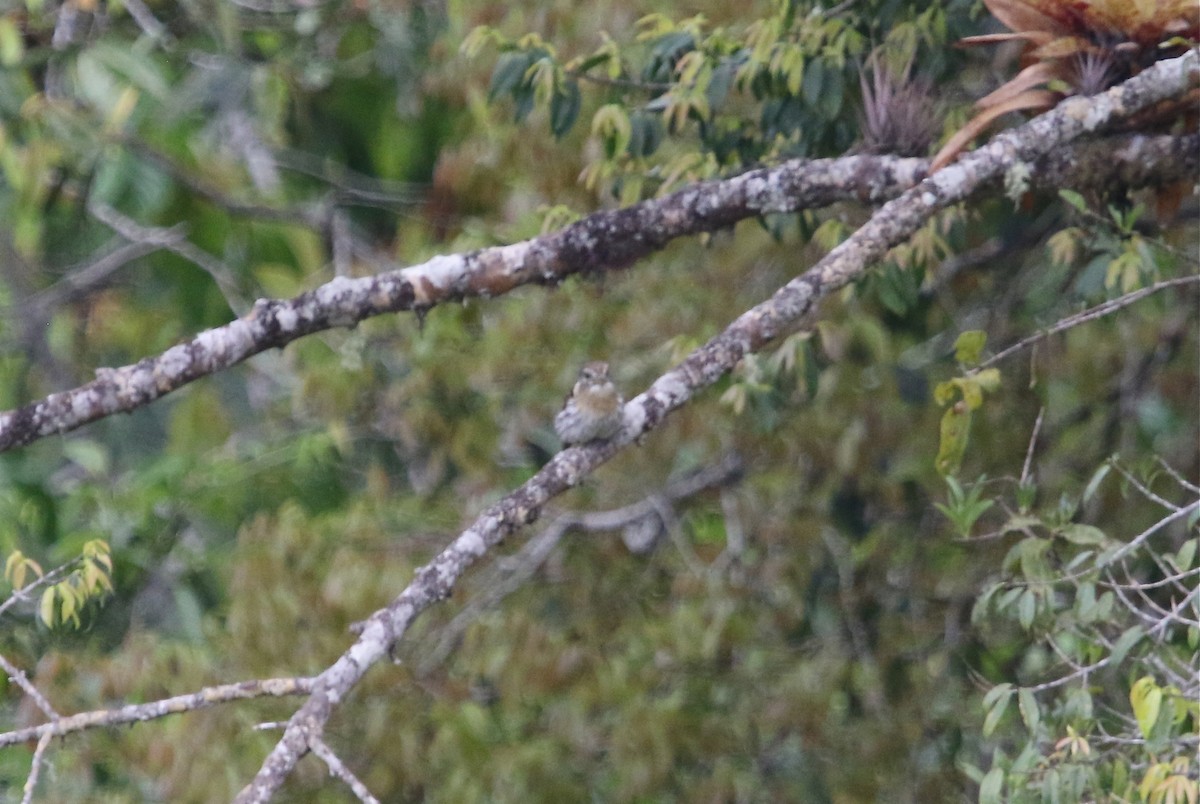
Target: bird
{"points": [[593, 410]]}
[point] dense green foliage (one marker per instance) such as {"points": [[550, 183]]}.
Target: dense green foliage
{"points": [[845, 623]]}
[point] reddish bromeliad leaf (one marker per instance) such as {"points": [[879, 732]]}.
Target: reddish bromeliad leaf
{"points": [[1078, 47]]}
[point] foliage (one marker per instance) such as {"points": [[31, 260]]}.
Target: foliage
{"points": [[689, 100], [1113, 716], [818, 620]]}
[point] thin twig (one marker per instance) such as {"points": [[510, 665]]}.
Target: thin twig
{"points": [[18, 675], [518, 569], [340, 771], [1037, 428], [136, 713], [175, 241], [35, 768], [1091, 314], [1145, 492]]}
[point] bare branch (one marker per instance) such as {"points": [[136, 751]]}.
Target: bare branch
{"points": [[603, 241], [339, 769], [21, 680], [891, 225], [136, 713], [521, 567], [35, 768], [175, 241], [1091, 314], [1037, 428]]}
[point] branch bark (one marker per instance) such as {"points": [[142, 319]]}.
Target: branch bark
{"points": [[603, 241], [791, 304]]}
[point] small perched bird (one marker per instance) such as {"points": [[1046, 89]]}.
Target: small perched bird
{"points": [[594, 408]]}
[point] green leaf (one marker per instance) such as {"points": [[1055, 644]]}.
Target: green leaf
{"points": [[564, 108], [509, 73], [46, 608], [1078, 706], [952, 446], [1074, 199], [972, 393], [1186, 556], [646, 133], [1027, 609], [1030, 713], [1094, 483], [988, 379], [1123, 645], [968, 347], [1083, 534], [813, 82], [1146, 698], [833, 92], [992, 787], [12, 45], [999, 696]]}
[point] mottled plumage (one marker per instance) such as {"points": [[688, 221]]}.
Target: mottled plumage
{"points": [[593, 410]]}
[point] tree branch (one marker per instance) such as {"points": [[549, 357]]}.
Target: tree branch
{"points": [[602, 241], [891, 225], [1091, 314], [136, 713], [535, 551]]}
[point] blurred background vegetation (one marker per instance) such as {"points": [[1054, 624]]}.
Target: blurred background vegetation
{"points": [[813, 632]]}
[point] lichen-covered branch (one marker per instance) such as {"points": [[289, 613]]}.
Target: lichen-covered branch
{"points": [[600, 242], [891, 225]]}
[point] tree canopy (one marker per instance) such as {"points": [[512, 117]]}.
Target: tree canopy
{"points": [[904, 501]]}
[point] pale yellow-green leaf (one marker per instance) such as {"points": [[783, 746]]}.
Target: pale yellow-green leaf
{"points": [[17, 575], [956, 423], [830, 233], [121, 110], [11, 564], [12, 44], [652, 26], [735, 397], [631, 188], [943, 392], [533, 41], [1064, 246], [1146, 698], [612, 123], [69, 601], [988, 379], [972, 393], [479, 38], [543, 76], [46, 608], [968, 347], [1156, 774]]}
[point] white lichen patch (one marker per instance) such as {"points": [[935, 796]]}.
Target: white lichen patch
{"points": [[633, 419], [336, 300], [1091, 113], [672, 386], [431, 279], [173, 363], [287, 318], [472, 544], [768, 193], [513, 257], [213, 342]]}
